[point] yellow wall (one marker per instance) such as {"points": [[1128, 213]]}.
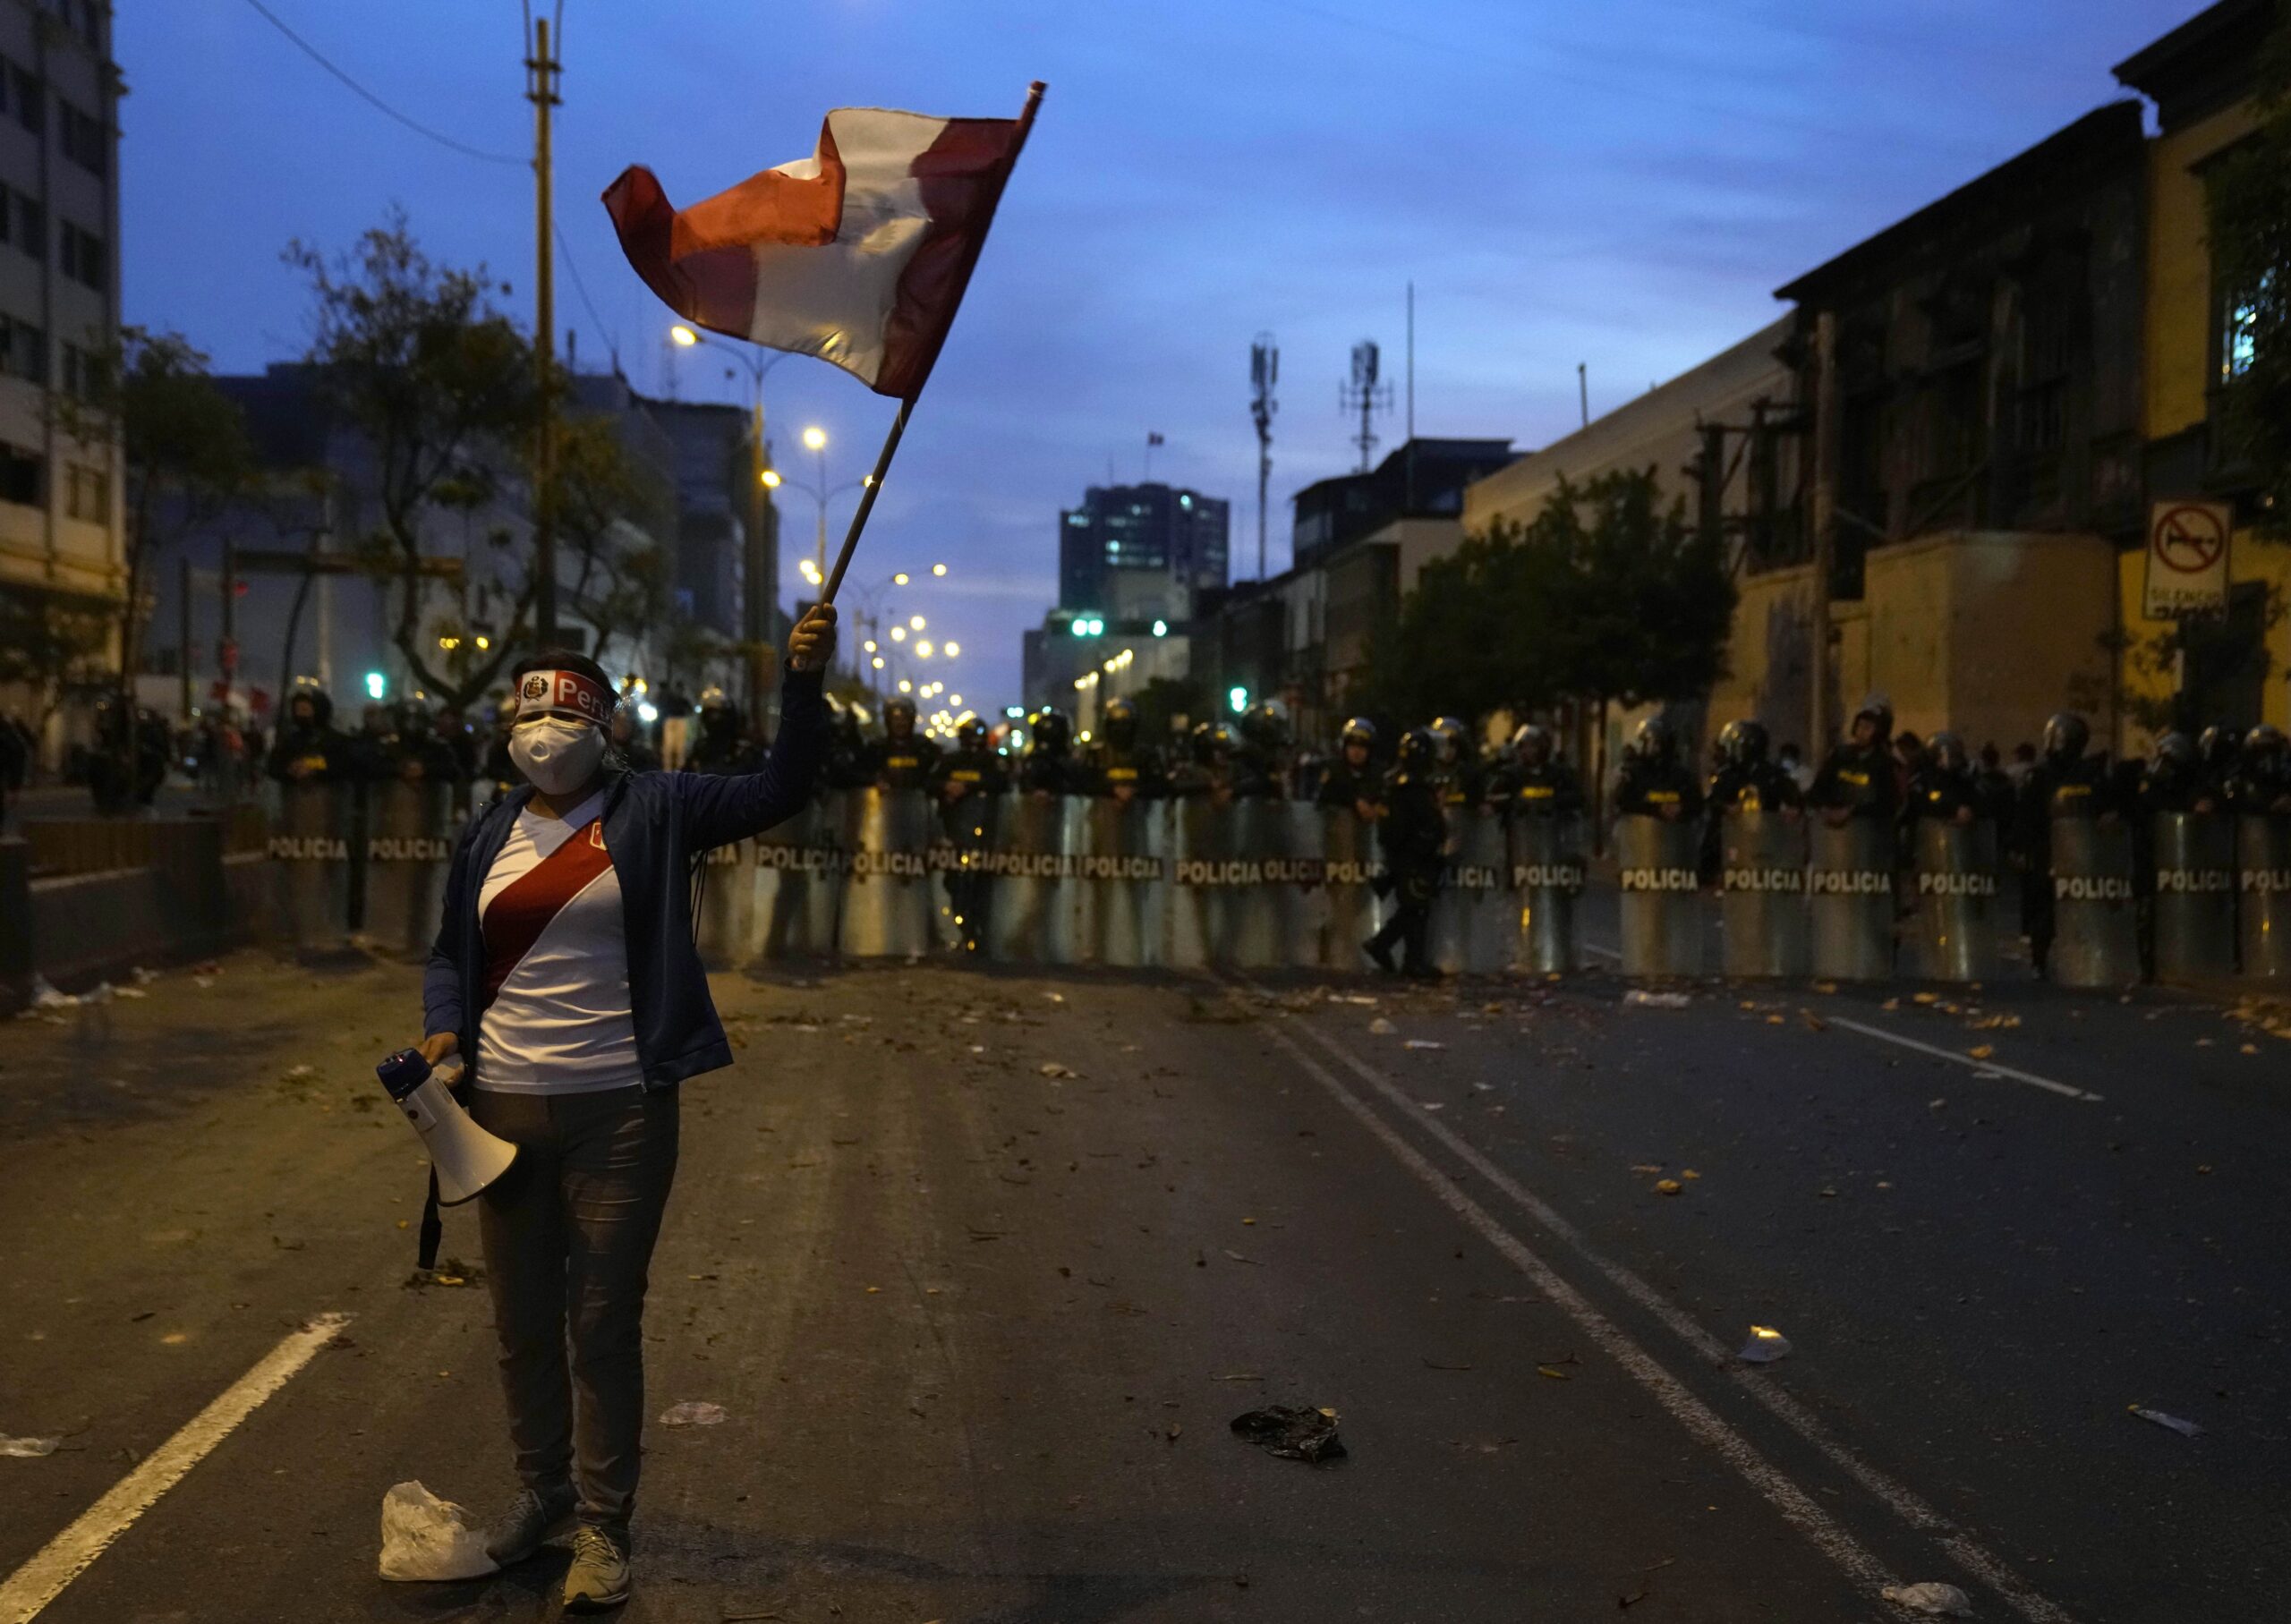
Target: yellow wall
{"points": [[2249, 559]]}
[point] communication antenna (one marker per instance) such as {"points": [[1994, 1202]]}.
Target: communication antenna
{"points": [[1264, 373], [1366, 395]]}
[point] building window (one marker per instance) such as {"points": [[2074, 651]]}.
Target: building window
{"points": [[80, 254], [82, 137], [19, 476], [81, 372], [87, 493], [23, 350], [23, 223], [26, 99], [2239, 333]]}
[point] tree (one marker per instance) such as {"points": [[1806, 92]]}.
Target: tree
{"points": [[1607, 593], [188, 457], [56, 645], [417, 357], [610, 510], [2250, 207]]}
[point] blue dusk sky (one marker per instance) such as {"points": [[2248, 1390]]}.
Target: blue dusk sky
{"points": [[1622, 184]]}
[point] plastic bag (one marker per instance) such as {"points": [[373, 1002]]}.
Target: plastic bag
{"points": [[424, 1537]]}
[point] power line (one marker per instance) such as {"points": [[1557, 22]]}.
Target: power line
{"points": [[587, 304], [312, 52]]}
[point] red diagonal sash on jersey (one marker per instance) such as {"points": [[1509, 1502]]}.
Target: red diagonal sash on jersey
{"points": [[521, 910]]}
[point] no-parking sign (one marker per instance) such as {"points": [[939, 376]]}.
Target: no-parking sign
{"points": [[2187, 560]]}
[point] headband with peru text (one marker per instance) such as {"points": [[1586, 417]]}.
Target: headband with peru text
{"points": [[565, 694]]}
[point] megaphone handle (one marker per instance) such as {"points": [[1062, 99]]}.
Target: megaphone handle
{"points": [[433, 1228]]}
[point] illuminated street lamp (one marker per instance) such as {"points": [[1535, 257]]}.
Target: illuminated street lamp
{"points": [[815, 439], [916, 621], [938, 569], [951, 649], [898, 633], [899, 579], [922, 648], [684, 335]]}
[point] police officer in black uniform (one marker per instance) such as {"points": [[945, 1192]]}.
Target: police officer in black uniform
{"points": [[2064, 783], [2261, 783], [633, 747], [1944, 787], [846, 766], [1654, 782], [1049, 768], [1260, 758], [1219, 770], [309, 748], [1858, 781], [2173, 779], [1353, 781], [1456, 763], [1118, 767], [2220, 752], [966, 780], [902, 759], [1534, 782], [722, 748], [1747, 780], [1414, 831]]}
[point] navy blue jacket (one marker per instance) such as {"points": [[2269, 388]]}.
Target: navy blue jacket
{"points": [[655, 824]]}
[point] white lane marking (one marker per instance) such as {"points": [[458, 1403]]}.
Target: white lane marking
{"points": [[66, 1557], [1795, 1506], [2030, 1078], [1903, 1500]]}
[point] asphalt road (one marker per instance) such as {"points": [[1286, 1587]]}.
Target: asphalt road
{"points": [[979, 1328]]}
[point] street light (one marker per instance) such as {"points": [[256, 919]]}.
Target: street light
{"points": [[923, 648], [898, 633], [771, 478], [684, 335], [951, 649], [915, 621], [815, 439], [938, 569], [899, 579]]}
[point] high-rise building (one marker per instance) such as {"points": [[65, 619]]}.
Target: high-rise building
{"points": [[1141, 550], [61, 542]]}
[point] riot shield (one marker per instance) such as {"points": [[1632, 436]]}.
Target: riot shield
{"points": [[1762, 907], [2096, 917], [970, 824], [1955, 929], [1662, 906], [1032, 918], [2193, 913], [1124, 882], [724, 929], [1349, 911], [310, 861], [1547, 856], [1471, 915], [2263, 898], [890, 893], [409, 847], [798, 883], [1849, 906]]}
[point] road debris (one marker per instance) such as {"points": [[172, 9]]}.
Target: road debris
{"points": [[1052, 1068], [425, 1538], [1381, 1027], [1423, 1043], [1668, 1186], [1931, 1597], [1293, 1435], [694, 1412], [2185, 1429], [29, 1449], [1766, 1344], [1639, 997]]}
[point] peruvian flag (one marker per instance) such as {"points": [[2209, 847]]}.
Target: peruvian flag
{"points": [[857, 254]]}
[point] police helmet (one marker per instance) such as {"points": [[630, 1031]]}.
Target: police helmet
{"points": [[2264, 746], [1531, 744], [1652, 740], [1419, 747], [2174, 749], [713, 698], [1266, 724], [1947, 751], [1359, 731], [2218, 747], [1050, 731], [1449, 734], [1880, 709], [1117, 720], [1744, 742], [970, 730], [898, 705], [2066, 736]]}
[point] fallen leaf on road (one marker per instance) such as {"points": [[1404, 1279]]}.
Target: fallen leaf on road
{"points": [[1554, 1371], [1668, 1186], [1052, 1068], [1824, 986], [1814, 1023], [1646, 1167], [1237, 1258], [1293, 1435], [1766, 1344], [694, 1413], [1981, 1051], [1430, 1043], [1827, 1190], [29, 1449], [1926, 998], [1775, 1020], [1381, 1027]]}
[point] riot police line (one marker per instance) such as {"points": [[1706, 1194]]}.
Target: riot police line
{"points": [[1014, 877], [1264, 884]]}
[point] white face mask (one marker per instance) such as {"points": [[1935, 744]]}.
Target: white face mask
{"points": [[558, 753]]}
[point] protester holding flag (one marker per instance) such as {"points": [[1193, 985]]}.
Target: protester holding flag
{"points": [[565, 974]]}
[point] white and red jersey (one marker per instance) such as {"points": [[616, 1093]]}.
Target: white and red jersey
{"points": [[557, 1017]]}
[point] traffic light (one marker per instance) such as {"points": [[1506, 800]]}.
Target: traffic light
{"points": [[1239, 698], [377, 686]]}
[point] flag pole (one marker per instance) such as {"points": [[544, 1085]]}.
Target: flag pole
{"points": [[907, 404]]}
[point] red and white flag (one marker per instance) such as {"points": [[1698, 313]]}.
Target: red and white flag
{"points": [[858, 254]]}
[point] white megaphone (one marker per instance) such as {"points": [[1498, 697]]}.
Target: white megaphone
{"points": [[466, 1157]]}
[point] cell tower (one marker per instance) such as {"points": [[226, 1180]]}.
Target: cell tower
{"points": [[1366, 395], [1265, 372]]}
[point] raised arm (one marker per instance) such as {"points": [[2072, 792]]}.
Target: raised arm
{"points": [[720, 809]]}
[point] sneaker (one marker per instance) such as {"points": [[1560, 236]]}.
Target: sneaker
{"points": [[598, 1580], [531, 1520], [1382, 954]]}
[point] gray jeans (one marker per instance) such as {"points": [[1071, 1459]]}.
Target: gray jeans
{"points": [[569, 1234]]}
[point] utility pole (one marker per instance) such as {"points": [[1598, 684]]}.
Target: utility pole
{"points": [[1583, 388], [541, 89], [1411, 360], [1264, 373], [1825, 527]]}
